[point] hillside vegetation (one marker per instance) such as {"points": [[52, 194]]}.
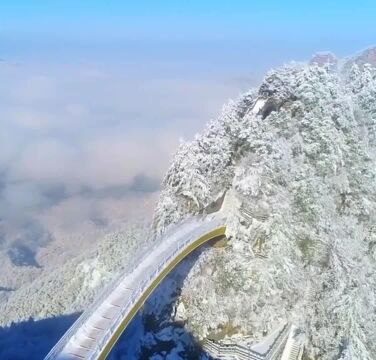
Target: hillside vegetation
{"points": [[299, 154]]}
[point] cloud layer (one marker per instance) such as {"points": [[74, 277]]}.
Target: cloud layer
{"points": [[87, 142]]}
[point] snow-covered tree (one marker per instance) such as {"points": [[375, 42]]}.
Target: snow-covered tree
{"points": [[303, 167]]}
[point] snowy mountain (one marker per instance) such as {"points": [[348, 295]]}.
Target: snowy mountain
{"points": [[293, 163], [296, 159]]}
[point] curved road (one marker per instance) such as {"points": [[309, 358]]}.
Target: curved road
{"points": [[94, 334]]}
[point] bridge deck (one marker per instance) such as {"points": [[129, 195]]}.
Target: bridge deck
{"points": [[97, 330]]}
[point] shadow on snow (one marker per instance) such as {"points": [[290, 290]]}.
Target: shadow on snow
{"points": [[33, 339]]}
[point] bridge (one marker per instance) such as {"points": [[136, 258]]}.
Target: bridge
{"points": [[96, 331]]}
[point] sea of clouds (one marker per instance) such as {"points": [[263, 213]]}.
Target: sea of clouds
{"points": [[89, 141]]}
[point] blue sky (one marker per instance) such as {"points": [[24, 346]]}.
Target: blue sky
{"points": [[237, 33], [330, 22]]}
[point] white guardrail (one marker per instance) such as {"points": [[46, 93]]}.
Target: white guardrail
{"points": [[227, 351], [172, 242]]}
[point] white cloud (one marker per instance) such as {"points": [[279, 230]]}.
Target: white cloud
{"points": [[74, 135]]}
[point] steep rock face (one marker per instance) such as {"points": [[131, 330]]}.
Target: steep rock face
{"points": [[299, 155]]}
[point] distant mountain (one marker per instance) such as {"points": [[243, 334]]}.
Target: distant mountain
{"points": [[367, 56]]}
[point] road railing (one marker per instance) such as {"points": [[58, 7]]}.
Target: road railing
{"points": [[195, 226], [153, 273], [226, 351]]}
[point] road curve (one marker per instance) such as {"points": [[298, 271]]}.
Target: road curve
{"points": [[94, 334]]}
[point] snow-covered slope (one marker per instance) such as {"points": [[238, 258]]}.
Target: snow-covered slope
{"points": [[299, 155], [72, 287]]}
